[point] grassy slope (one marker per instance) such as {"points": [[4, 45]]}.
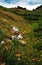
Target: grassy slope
{"points": [[8, 20], [29, 20], [30, 25]]}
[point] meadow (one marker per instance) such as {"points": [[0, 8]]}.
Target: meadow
{"points": [[29, 23]]}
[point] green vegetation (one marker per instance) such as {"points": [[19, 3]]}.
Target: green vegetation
{"points": [[29, 23]]}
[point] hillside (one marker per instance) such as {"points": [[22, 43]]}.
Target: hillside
{"points": [[29, 24]]}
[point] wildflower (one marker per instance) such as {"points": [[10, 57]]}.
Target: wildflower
{"points": [[22, 42], [34, 59], [19, 59], [13, 37], [18, 55], [2, 42], [8, 41], [15, 29], [20, 36]]}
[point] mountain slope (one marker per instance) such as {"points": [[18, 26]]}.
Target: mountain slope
{"points": [[27, 51], [17, 16], [8, 19]]}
